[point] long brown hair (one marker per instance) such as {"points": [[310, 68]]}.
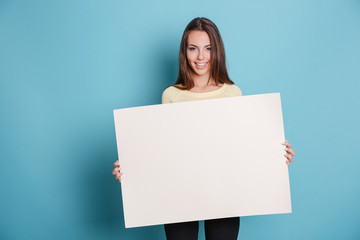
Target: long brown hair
{"points": [[218, 69]]}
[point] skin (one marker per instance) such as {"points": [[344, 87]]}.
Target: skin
{"points": [[199, 52], [289, 152]]}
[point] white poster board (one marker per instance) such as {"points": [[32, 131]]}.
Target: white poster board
{"points": [[202, 160]]}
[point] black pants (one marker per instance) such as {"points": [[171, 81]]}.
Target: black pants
{"points": [[215, 229]]}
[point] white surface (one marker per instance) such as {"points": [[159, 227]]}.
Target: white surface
{"points": [[202, 160]]}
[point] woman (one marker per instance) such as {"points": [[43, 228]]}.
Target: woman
{"points": [[202, 75]]}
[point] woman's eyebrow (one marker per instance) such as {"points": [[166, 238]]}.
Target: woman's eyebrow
{"points": [[197, 46]]}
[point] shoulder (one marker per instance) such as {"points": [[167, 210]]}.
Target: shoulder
{"points": [[234, 90], [169, 94]]}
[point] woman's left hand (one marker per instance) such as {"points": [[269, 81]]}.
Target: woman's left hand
{"points": [[290, 153]]}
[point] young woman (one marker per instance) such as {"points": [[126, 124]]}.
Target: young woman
{"points": [[203, 75]]}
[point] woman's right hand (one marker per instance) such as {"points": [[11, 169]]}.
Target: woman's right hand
{"points": [[116, 171]]}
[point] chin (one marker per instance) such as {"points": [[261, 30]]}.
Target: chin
{"points": [[201, 72]]}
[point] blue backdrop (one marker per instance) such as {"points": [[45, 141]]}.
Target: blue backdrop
{"points": [[65, 65]]}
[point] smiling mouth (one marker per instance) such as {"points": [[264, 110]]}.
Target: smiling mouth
{"points": [[201, 64]]}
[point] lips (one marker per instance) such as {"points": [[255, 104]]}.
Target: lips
{"points": [[201, 65]]}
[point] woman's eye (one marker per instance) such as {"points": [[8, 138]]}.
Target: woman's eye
{"points": [[192, 49], [209, 48]]}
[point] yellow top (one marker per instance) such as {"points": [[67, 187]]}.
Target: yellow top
{"points": [[172, 94]]}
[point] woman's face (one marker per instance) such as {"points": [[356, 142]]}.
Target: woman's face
{"points": [[198, 52]]}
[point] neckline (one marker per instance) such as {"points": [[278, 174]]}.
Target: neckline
{"points": [[206, 93]]}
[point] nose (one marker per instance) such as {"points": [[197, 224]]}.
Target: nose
{"points": [[200, 54]]}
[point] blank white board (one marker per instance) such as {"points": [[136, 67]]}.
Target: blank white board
{"points": [[202, 160]]}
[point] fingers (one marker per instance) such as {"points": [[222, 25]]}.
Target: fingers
{"points": [[117, 164], [287, 144], [290, 151], [118, 176], [117, 171], [289, 157]]}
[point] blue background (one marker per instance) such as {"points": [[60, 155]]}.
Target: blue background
{"points": [[65, 65]]}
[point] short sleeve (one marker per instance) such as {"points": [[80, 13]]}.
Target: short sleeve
{"points": [[168, 95], [235, 91]]}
